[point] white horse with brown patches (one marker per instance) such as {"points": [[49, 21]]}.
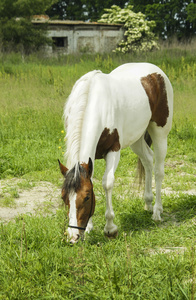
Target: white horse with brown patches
{"points": [[104, 114]]}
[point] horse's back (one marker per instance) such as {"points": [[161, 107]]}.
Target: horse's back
{"points": [[153, 80], [136, 70]]}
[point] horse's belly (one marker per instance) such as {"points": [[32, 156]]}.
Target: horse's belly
{"points": [[134, 124]]}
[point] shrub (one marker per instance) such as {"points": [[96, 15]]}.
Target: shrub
{"points": [[138, 31]]}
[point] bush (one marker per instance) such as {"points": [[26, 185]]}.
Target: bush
{"points": [[138, 31]]}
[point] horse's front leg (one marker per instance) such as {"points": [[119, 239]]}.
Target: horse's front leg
{"points": [[112, 160]]}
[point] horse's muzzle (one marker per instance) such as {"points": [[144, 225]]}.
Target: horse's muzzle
{"points": [[75, 237]]}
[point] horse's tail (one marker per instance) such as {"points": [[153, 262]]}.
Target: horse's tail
{"points": [[140, 167]]}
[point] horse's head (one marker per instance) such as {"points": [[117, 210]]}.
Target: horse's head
{"points": [[77, 193]]}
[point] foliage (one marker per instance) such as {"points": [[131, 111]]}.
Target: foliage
{"points": [[81, 9], [29, 8], [95, 9], [23, 8], [173, 18], [138, 31], [70, 10], [191, 14], [20, 35], [16, 30]]}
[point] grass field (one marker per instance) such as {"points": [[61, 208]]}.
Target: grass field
{"points": [[147, 260]]}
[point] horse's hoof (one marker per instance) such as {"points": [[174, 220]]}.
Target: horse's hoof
{"points": [[111, 231], [148, 207], [157, 213], [157, 217], [112, 235]]}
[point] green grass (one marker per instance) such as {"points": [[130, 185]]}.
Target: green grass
{"points": [[36, 262], [147, 260]]}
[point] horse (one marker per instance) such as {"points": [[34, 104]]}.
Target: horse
{"points": [[130, 107]]}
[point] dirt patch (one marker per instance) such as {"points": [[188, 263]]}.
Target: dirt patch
{"points": [[20, 197]]}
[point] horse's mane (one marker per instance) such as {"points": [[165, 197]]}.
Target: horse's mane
{"points": [[74, 115]]}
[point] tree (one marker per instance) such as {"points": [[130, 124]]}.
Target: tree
{"points": [[191, 14], [84, 10], [138, 31], [173, 18], [21, 36], [95, 8], [16, 30], [70, 10]]}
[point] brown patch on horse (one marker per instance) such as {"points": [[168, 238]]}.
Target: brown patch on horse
{"points": [[154, 86], [107, 142]]}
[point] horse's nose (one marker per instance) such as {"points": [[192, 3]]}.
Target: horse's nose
{"points": [[72, 235], [74, 239]]}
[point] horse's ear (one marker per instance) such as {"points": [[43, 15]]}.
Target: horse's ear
{"points": [[62, 168], [90, 167]]}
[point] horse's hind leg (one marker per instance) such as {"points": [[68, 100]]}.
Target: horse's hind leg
{"points": [[112, 160], [146, 156], [159, 138]]}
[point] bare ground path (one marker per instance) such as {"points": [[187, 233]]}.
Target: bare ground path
{"points": [[19, 196]]}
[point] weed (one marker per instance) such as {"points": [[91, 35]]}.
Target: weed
{"points": [[7, 201]]}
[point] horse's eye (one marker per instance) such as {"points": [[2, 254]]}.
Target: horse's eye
{"points": [[86, 198]]}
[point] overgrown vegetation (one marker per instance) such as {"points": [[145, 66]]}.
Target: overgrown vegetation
{"points": [[173, 18], [147, 260], [17, 33], [138, 34]]}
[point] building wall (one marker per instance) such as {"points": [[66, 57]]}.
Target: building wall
{"points": [[80, 37]]}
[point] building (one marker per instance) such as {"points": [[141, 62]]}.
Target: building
{"points": [[81, 37]]}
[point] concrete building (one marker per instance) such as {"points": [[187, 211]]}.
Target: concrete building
{"points": [[81, 37]]}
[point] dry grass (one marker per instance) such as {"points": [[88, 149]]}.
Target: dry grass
{"points": [[173, 43]]}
